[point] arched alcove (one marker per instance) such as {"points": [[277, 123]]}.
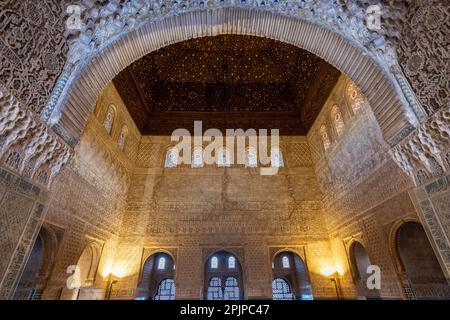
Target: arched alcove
{"points": [[419, 266], [360, 263], [88, 264], [39, 266], [27, 283]]}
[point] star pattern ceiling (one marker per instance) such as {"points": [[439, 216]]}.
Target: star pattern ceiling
{"points": [[218, 79]]}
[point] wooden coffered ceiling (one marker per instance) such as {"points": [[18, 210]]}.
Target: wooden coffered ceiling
{"points": [[227, 81]]}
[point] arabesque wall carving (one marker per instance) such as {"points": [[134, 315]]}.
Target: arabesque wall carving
{"points": [[427, 148], [27, 146], [422, 54], [33, 49]]}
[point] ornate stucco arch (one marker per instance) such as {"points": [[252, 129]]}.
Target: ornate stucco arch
{"points": [[104, 48]]}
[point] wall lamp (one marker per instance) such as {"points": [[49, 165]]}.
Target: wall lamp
{"points": [[111, 283], [334, 277]]}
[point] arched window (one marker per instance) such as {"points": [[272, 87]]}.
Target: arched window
{"points": [[108, 122], [231, 291], [215, 289], [171, 158], [197, 158], [290, 268], [223, 158], [281, 290], [214, 263], [324, 136], [251, 158], [223, 277], [166, 290], [338, 121], [122, 138], [156, 280], [286, 263], [162, 263], [354, 97], [231, 262], [276, 158]]}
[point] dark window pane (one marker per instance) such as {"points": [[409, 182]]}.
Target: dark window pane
{"points": [[281, 290], [166, 290]]}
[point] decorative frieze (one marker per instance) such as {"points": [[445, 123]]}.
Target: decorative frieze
{"points": [[27, 146], [101, 22], [33, 49]]}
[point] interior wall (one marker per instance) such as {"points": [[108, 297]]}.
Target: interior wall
{"points": [[198, 210], [127, 203], [88, 198], [353, 188], [355, 175], [365, 193]]}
